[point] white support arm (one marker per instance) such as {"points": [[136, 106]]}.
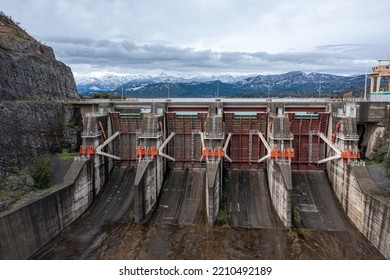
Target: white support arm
{"points": [[266, 145], [330, 144], [225, 147], [264, 158], [105, 143], [161, 148]]}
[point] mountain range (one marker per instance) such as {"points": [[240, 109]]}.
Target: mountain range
{"points": [[293, 84]]}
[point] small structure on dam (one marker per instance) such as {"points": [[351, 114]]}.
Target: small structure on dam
{"points": [[380, 86]]}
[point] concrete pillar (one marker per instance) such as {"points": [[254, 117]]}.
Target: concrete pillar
{"points": [[279, 175], [149, 175], [378, 83], [213, 138], [372, 84], [388, 84]]}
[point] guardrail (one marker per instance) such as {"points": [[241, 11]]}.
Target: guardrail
{"points": [[351, 137], [91, 134], [141, 134]]}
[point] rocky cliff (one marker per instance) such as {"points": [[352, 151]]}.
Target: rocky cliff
{"points": [[33, 119], [29, 69]]}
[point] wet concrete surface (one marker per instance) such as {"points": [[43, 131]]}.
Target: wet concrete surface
{"points": [[203, 242], [114, 204], [316, 204], [379, 174], [182, 199], [248, 200], [60, 167], [91, 237]]}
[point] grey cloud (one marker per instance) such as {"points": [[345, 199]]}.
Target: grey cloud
{"points": [[252, 36], [131, 57]]}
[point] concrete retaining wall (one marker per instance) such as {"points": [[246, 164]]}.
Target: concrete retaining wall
{"points": [[357, 194], [148, 184], [280, 185], [25, 229]]}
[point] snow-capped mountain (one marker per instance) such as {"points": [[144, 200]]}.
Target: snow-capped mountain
{"points": [[291, 83], [107, 83], [298, 81]]}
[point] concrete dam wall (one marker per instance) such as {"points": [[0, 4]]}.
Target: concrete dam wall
{"points": [[363, 204], [187, 160], [28, 227]]}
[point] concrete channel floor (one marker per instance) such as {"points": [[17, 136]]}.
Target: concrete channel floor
{"points": [[114, 204], [317, 206], [116, 201], [248, 200], [90, 237], [183, 198]]}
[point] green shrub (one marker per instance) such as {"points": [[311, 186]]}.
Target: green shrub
{"points": [[43, 171], [222, 217], [296, 216]]}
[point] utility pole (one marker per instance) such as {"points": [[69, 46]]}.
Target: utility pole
{"points": [[319, 91], [167, 85], [365, 87], [269, 89]]}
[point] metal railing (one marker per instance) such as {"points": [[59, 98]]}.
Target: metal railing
{"points": [[95, 114], [141, 134], [357, 163], [282, 136], [349, 136], [283, 161], [91, 134]]}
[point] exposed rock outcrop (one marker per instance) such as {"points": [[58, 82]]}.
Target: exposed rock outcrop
{"points": [[29, 69], [33, 120]]}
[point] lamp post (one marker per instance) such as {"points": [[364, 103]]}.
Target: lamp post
{"points": [[319, 90], [365, 86], [269, 89], [167, 86]]}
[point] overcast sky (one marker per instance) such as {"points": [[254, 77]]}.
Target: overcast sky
{"points": [[209, 36]]}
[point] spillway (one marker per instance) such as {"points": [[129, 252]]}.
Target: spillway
{"points": [[113, 205], [183, 198], [248, 200], [316, 204]]}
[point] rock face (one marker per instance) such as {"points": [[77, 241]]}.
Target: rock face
{"points": [[33, 120], [29, 69]]}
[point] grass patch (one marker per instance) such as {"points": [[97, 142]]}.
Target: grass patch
{"points": [[384, 194], [23, 198], [66, 154], [6, 194], [223, 215], [297, 221], [15, 197]]}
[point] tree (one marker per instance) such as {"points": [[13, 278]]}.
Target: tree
{"points": [[43, 172]]}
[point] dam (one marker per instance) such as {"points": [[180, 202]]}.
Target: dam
{"points": [[212, 178], [260, 167]]}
